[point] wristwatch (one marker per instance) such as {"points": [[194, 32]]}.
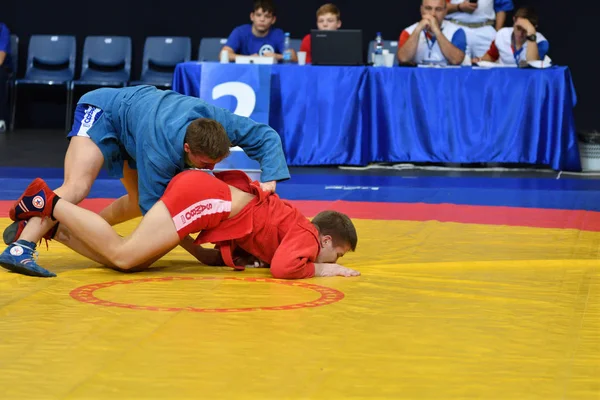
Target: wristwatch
{"points": [[532, 38]]}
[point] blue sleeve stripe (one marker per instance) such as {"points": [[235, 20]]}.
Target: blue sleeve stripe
{"points": [[543, 48], [459, 39]]}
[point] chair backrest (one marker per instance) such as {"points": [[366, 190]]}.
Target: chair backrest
{"points": [[56, 52], [14, 53], [295, 44], [112, 53], [166, 52], [391, 45], [210, 48]]}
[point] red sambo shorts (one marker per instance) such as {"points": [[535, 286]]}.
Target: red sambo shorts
{"points": [[197, 201]]}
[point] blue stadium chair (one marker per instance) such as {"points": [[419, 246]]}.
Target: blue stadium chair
{"points": [[50, 61], [161, 55], [14, 53], [295, 44], [106, 61], [391, 45], [210, 49]]}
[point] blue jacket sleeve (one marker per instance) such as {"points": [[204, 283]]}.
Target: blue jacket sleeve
{"points": [[259, 141], [154, 175]]}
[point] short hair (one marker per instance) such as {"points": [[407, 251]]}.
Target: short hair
{"points": [[445, 3], [329, 8], [207, 137], [528, 13], [338, 226], [266, 5]]}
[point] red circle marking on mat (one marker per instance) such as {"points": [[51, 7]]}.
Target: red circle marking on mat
{"points": [[85, 294]]}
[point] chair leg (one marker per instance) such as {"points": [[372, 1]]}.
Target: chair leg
{"points": [[8, 91], [69, 106], [13, 107]]}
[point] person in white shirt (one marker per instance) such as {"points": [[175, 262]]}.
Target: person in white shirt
{"points": [[478, 18], [519, 44], [433, 40]]}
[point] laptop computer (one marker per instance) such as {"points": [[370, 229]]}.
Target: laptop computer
{"points": [[341, 47]]}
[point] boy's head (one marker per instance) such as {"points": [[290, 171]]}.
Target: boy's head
{"points": [[206, 143], [263, 16], [528, 13], [524, 13], [337, 235], [328, 17]]}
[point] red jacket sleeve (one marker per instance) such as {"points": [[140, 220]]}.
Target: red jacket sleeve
{"points": [[305, 46], [296, 254]]}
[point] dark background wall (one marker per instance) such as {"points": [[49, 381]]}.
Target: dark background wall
{"points": [[570, 27]]}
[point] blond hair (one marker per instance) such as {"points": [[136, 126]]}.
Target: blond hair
{"points": [[329, 8]]}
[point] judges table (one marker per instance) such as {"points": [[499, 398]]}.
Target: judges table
{"points": [[362, 115]]}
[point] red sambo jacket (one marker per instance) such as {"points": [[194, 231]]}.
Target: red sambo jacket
{"points": [[269, 228]]}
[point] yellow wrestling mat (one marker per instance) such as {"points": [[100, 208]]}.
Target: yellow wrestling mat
{"points": [[442, 311]]}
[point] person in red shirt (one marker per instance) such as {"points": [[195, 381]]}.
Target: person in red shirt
{"points": [[228, 209], [328, 19]]}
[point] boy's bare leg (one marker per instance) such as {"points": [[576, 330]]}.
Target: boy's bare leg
{"points": [[126, 207], [155, 235], [83, 162], [123, 209]]}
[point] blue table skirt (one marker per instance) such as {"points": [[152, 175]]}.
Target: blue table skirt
{"points": [[360, 115]]}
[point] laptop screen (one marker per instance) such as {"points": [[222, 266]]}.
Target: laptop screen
{"points": [[341, 47]]}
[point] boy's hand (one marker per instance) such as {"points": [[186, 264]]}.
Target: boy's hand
{"points": [[274, 55], [268, 186], [323, 269], [468, 7], [526, 25]]}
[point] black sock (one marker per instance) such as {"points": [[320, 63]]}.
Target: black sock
{"points": [[54, 201]]}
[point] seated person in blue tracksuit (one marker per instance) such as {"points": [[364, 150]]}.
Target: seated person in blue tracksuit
{"points": [[145, 137], [258, 38]]}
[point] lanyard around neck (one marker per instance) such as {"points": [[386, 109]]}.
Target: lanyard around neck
{"points": [[513, 46], [431, 43]]}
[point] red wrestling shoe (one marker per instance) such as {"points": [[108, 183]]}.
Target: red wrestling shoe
{"points": [[36, 201]]}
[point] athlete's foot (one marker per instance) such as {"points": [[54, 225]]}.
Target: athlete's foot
{"points": [[36, 201], [12, 233], [21, 257]]}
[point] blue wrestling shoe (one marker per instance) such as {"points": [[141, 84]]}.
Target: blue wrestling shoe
{"points": [[21, 257]]}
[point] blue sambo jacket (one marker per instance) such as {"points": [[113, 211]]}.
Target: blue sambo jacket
{"points": [[147, 127]]}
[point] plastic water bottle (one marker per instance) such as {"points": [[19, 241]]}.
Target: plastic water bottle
{"points": [[287, 53], [379, 60]]}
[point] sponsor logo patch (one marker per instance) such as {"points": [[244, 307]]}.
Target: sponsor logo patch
{"points": [[16, 251], [38, 202]]}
